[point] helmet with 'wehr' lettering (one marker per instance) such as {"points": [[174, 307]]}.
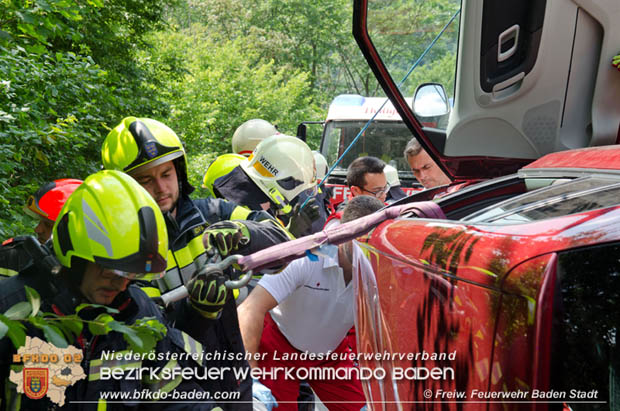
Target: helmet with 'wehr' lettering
{"points": [[282, 167]]}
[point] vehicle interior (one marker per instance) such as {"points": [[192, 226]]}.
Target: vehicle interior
{"points": [[530, 78]]}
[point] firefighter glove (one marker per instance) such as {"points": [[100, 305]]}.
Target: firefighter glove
{"points": [[225, 237], [302, 219], [207, 294]]}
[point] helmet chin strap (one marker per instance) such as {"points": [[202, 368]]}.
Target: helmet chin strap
{"points": [[279, 200]]}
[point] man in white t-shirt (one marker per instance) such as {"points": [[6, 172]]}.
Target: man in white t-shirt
{"points": [[308, 309]]}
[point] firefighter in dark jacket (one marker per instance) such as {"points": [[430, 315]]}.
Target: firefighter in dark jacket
{"points": [[152, 154], [278, 177], [44, 205], [109, 232]]}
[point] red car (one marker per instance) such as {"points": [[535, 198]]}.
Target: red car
{"points": [[506, 293]]}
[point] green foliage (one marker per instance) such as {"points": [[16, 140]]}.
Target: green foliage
{"points": [[402, 30], [67, 74], [71, 69], [34, 23], [52, 111], [314, 37], [225, 85], [142, 336]]}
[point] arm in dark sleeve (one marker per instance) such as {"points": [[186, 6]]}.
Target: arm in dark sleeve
{"points": [[264, 234], [264, 229], [185, 318]]}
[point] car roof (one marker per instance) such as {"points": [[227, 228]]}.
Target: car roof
{"points": [[593, 158]]}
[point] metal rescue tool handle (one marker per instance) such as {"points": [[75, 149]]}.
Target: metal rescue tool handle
{"points": [[210, 268]]}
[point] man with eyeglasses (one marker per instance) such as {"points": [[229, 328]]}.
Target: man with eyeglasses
{"points": [[365, 176]]}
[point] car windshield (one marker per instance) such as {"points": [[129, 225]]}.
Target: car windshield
{"points": [[402, 31], [564, 198], [385, 140]]}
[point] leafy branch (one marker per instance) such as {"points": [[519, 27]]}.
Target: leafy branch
{"points": [[142, 336]]}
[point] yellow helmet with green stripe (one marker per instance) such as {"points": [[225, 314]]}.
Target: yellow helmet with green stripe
{"points": [[138, 144], [221, 166], [112, 221]]}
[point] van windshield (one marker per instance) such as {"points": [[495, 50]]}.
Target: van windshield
{"points": [[383, 139]]}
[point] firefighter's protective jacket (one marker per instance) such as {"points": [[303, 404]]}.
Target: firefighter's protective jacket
{"points": [[133, 304], [220, 338]]}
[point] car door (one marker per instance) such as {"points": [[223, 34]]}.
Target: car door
{"points": [[531, 77]]}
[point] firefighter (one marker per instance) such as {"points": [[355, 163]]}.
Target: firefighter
{"points": [[153, 155], [249, 134], [219, 167], [109, 232], [324, 193], [244, 141], [365, 176], [44, 205], [278, 177]]}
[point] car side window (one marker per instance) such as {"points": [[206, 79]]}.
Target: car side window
{"points": [[586, 320], [579, 195]]}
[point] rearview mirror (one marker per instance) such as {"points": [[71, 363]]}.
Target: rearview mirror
{"points": [[430, 100]]}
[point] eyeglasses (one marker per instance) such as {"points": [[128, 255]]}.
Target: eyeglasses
{"points": [[379, 192]]}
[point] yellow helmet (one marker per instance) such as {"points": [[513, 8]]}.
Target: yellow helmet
{"points": [[219, 167], [282, 167], [138, 144], [249, 134], [112, 221]]}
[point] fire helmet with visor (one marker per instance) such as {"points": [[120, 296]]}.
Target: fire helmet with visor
{"points": [[138, 144], [112, 221], [282, 167], [249, 134], [321, 165], [220, 167], [48, 200]]}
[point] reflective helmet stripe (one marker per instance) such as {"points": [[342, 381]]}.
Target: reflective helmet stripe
{"points": [[151, 291]]}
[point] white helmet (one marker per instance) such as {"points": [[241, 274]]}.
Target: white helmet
{"points": [[249, 134], [282, 167], [321, 165], [391, 175]]}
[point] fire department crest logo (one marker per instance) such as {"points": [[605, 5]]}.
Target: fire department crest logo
{"points": [[36, 382], [43, 370], [150, 148]]}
